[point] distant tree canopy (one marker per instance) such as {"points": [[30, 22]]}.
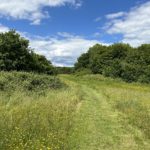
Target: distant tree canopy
{"points": [[15, 54], [118, 61], [64, 70]]}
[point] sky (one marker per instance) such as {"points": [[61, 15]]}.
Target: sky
{"points": [[62, 30]]}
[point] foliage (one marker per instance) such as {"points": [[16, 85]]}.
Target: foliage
{"points": [[83, 61], [64, 70], [118, 61], [29, 82], [15, 54], [83, 71]]}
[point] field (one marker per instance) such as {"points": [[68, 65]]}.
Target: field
{"points": [[71, 112]]}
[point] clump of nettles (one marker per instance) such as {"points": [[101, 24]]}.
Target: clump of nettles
{"points": [[11, 81]]}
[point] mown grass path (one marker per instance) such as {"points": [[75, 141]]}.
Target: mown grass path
{"points": [[98, 125], [88, 112]]}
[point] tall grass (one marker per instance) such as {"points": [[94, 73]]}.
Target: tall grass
{"points": [[130, 103], [136, 114], [88, 112], [29, 120]]}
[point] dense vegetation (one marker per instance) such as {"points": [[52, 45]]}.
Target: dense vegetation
{"points": [[29, 82], [118, 61], [64, 70], [91, 112], [15, 54], [35, 112]]}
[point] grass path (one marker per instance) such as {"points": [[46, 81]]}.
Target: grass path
{"points": [[90, 113], [98, 126]]}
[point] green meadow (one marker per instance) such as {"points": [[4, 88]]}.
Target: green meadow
{"points": [[72, 112]]}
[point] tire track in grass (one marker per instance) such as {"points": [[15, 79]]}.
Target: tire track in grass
{"points": [[97, 126]]}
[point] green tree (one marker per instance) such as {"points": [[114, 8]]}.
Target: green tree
{"points": [[14, 51], [15, 54], [82, 62], [118, 61]]}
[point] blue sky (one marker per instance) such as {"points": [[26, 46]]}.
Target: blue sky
{"points": [[63, 29]]}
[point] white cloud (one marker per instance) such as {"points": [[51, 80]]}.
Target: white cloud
{"points": [[96, 34], [31, 9], [62, 52], [115, 15], [63, 49], [65, 35], [97, 19], [134, 25], [3, 28]]}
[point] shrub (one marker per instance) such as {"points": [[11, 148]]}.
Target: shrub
{"points": [[9, 81], [83, 72]]}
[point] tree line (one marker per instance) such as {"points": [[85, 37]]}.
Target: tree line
{"points": [[117, 61], [15, 54]]}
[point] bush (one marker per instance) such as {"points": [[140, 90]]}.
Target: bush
{"points": [[65, 70], [83, 72], [9, 81], [114, 71], [145, 77]]}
